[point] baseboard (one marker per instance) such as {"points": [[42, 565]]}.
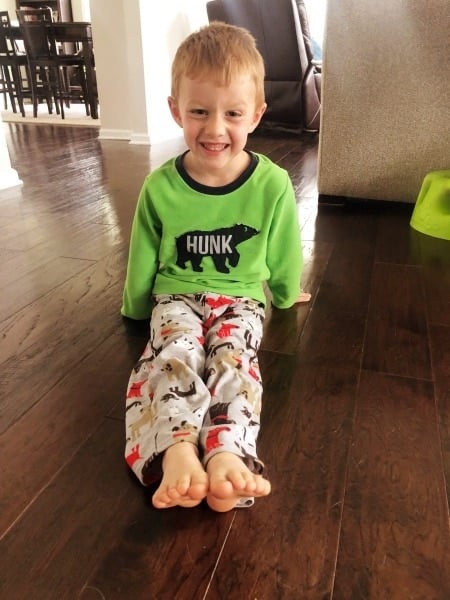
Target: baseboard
{"points": [[114, 134]]}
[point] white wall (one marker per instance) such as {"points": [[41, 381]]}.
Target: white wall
{"points": [[316, 10], [111, 41], [10, 6], [135, 41], [81, 10], [8, 176], [161, 34]]}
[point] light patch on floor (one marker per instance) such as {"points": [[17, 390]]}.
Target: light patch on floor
{"points": [[75, 115]]}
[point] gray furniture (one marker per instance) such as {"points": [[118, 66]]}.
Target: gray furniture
{"points": [[385, 98]]}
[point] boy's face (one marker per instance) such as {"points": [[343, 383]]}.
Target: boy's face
{"points": [[216, 121]]}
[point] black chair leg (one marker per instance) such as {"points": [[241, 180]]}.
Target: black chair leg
{"points": [[18, 90], [8, 88]]}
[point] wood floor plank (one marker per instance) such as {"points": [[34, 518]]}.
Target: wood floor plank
{"points": [[395, 540], [12, 230], [301, 163], [350, 223], [15, 264], [91, 242], [397, 340], [345, 287], [38, 283], [282, 328], [398, 243], [435, 260], [5, 257], [286, 546], [276, 148], [42, 342], [440, 354], [437, 289], [93, 517], [307, 214], [59, 234], [341, 273], [291, 538], [61, 421], [149, 562]]}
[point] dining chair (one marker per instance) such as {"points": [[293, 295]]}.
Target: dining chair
{"points": [[35, 14], [42, 66], [70, 39], [13, 68], [75, 38], [48, 68]]}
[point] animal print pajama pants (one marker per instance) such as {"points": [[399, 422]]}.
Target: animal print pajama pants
{"points": [[198, 380]]}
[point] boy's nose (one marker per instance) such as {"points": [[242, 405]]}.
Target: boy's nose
{"points": [[215, 125]]}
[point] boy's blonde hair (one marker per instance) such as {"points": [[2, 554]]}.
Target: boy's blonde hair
{"points": [[220, 52]]}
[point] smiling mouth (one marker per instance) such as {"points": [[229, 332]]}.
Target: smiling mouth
{"points": [[214, 147]]}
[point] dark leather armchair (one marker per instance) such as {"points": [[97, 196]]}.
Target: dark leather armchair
{"points": [[293, 78]]}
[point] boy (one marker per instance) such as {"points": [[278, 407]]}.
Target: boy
{"points": [[210, 227]]}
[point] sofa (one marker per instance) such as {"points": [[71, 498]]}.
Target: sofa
{"points": [[385, 119]]}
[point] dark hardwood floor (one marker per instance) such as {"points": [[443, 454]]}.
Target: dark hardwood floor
{"points": [[356, 413]]}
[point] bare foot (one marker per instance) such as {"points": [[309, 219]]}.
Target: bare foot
{"points": [[230, 480], [184, 482]]}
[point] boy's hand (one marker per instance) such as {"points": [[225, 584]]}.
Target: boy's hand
{"points": [[303, 297]]}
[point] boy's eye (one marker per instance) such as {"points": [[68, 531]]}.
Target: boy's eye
{"points": [[234, 113], [198, 112]]}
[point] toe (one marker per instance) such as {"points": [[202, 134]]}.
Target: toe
{"points": [[161, 500], [219, 504]]}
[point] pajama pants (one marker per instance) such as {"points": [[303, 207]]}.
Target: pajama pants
{"points": [[198, 381]]}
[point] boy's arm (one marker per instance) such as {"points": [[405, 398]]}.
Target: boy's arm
{"points": [[142, 260], [284, 254]]}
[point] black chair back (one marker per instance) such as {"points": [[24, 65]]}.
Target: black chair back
{"points": [[12, 48], [38, 44], [7, 46], [4, 45], [35, 14], [4, 18]]}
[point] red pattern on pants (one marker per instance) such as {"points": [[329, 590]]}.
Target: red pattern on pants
{"points": [[198, 380]]}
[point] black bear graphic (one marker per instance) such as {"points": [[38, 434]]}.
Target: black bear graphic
{"points": [[219, 244]]}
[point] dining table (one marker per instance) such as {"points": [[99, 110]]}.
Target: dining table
{"points": [[74, 34]]}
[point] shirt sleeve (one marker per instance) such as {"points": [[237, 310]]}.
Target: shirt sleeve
{"points": [[284, 252], [143, 259]]}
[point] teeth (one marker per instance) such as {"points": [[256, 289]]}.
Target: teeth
{"points": [[214, 147]]}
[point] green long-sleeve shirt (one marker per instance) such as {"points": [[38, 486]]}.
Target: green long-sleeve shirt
{"points": [[188, 238]]}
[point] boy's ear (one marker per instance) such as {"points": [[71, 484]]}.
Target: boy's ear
{"points": [[174, 110], [257, 117]]}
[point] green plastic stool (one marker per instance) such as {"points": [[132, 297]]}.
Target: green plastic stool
{"points": [[431, 213]]}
